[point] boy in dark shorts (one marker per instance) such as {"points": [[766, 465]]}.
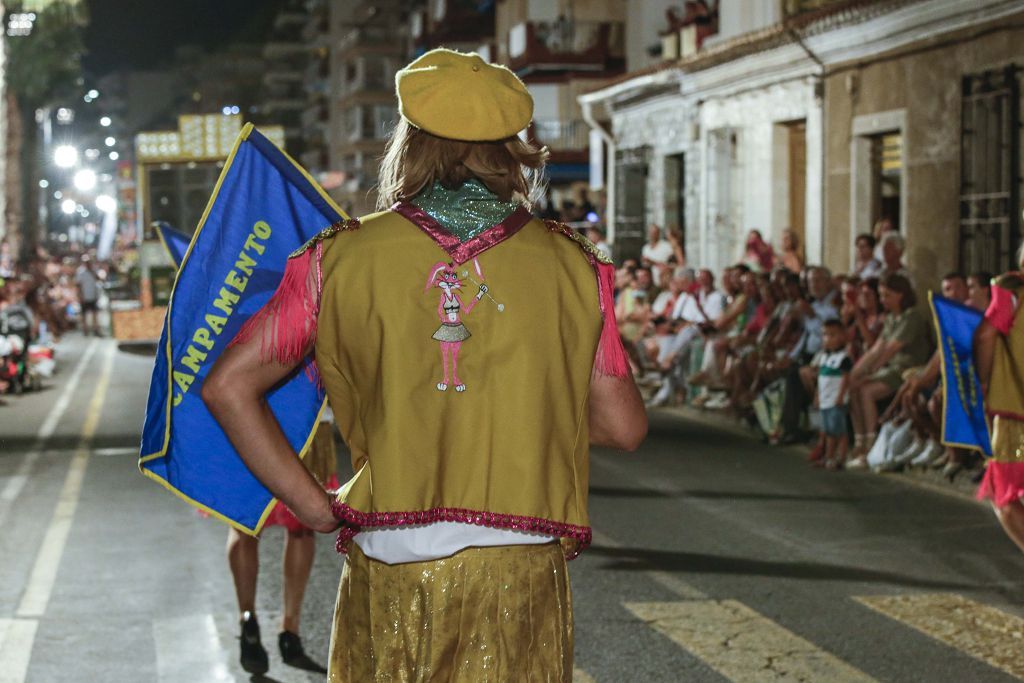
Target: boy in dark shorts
{"points": [[834, 365]]}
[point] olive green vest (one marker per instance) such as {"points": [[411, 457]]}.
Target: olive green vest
{"points": [[511, 450]]}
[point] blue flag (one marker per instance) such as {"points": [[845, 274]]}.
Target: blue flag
{"points": [[175, 243], [263, 207], [963, 421]]}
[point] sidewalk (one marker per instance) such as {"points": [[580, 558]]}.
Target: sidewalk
{"points": [[961, 487]]}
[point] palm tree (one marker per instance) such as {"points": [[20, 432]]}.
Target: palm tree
{"points": [[41, 67]]}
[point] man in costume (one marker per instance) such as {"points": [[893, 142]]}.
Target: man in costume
{"points": [[470, 492], [999, 356]]}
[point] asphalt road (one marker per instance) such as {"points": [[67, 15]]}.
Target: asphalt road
{"points": [[715, 558]]}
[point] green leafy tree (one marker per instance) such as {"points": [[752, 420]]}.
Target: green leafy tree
{"points": [[41, 67]]}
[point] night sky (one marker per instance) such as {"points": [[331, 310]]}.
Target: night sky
{"points": [[144, 33]]}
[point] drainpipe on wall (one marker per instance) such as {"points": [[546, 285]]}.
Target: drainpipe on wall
{"points": [[609, 165]]}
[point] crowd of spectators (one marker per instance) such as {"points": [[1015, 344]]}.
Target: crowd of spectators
{"points": [[846, 362], [41, 299]]}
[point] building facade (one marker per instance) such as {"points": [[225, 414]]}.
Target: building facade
{"points": [[822, 118], [923, 115]]}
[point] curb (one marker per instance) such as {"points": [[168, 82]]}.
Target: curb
{"points": [[931, 480]]}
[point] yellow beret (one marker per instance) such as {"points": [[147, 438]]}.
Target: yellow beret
{"points": [[461, 97]]}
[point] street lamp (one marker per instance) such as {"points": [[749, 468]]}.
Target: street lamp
{"points": [[65, 156], [106, 203], [105, 121], [68, 206], [85, 180], [110, 142]]}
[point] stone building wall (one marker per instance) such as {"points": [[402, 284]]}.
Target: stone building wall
{"points": [[665, 126], [915, 89]]}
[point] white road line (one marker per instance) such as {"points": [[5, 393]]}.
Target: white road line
{"points": [[16, 636], [188, 649], [12, 489], [44, 573], [743, 645], [579, 676]]}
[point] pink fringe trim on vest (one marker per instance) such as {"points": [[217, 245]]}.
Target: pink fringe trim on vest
{"points": [[286, 324], [611, 355], [1003, 482]]}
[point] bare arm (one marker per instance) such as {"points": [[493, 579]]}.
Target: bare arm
{"points": [[984, 351], [234, 391], [618, 418]]}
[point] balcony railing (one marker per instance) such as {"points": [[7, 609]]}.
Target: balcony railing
{"points": [[567, 46], [561, 135]]}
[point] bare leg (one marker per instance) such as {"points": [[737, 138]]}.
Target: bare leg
{"points": [[243, 558], [1011, 516], [459, 384], [299, 547], [444, 364], [870, 394]]}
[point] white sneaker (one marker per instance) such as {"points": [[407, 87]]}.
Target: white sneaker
{"points": [[917, 445], [717, 402], [662, 397], [931, 452], [858, 463], [902, 436]]}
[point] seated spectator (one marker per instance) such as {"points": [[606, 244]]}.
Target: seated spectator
{"points": [[865, 264], [633, 308], [758, 255], [905, 342], [695, 313], [866, 318]]}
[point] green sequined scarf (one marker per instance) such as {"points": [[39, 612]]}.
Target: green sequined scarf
{"points": [[464, 212]]}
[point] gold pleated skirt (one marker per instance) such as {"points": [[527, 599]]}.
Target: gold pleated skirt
{"points": [[482, 615]]}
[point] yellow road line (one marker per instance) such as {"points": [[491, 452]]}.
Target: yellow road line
{"points": [[979, 630], [44, 571], [743, 645]]}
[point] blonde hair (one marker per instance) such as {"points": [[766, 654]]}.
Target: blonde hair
{"points": [[414, 160]]}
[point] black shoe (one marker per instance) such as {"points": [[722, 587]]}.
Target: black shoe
{"points": [[293, 654], [254, 657]]}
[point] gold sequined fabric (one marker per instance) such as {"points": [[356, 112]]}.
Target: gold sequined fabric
{"points": [[482, 615]]}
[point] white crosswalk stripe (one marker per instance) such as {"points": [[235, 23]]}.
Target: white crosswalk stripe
{"points": [[981, 631], [743, 645]]}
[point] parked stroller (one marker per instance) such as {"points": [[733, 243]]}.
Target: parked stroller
{"points": [[15, 335]]}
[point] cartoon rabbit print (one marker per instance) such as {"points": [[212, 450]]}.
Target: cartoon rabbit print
{"points": [[450, 310]]}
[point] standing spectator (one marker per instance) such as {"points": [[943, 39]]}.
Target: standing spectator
{"points": [[865, 264], [675, 238], [905, 342], [892, 256], [657, 250], [596, 235], [979, 290], [792, 256], [88, 283], [883, 226], [758, 255], [833, 365]]}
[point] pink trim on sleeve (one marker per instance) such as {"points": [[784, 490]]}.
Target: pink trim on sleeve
{"points": [[1001, 310]]}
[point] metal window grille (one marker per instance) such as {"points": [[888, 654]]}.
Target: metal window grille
{"points": [[990, 170]]}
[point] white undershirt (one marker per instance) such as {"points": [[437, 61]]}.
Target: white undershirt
{"points": [[394, 545]]}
